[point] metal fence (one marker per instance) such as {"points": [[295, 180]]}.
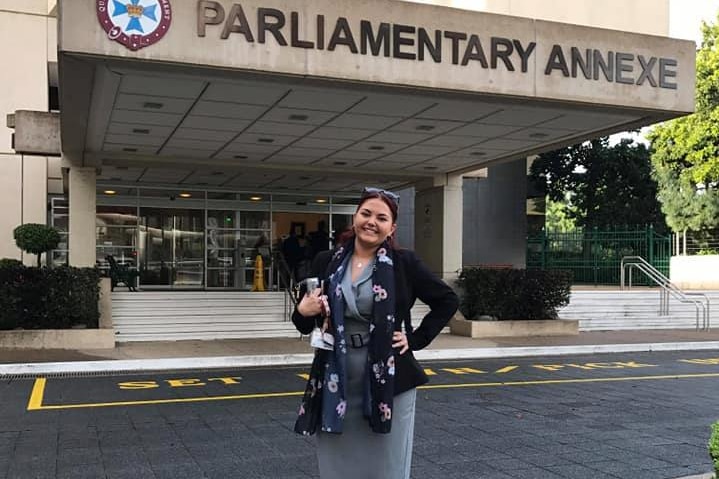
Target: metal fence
{"points": [[690, 243], [594, 256]]}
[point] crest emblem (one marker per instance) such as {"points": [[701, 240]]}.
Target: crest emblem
{"points": [[135, 23]]}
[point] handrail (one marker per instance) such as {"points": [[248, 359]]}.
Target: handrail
{"points": [[667, 289], [289, 299]]}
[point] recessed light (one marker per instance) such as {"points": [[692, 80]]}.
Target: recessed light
{"points": [[153, 105], [255, 198], [130, 150], [376, 148], [141, 131], [321, 200], [340, 163], [110, 192], [266, 140], [430, 167], [539, 135], [240, 157], [298, 117], [425, 127], [478, 153], [185, 195]]}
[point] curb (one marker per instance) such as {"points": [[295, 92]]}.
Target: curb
{"points": [[232, 362]]}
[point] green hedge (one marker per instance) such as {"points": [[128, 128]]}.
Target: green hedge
{"points": [[43, 298], [508, 294], [714, 447]]}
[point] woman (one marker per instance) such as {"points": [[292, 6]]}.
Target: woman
{"points": [[361, 394]]}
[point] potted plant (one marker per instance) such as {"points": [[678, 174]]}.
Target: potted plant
{"points": [[714, 448], [513, 302]]}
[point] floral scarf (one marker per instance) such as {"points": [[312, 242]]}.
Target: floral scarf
{"points": [[324, 403]]}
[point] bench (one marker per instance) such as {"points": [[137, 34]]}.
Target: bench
{"points": [[122, 273]]}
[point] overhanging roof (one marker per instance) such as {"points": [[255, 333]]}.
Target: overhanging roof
{"points": [[147, 119]]}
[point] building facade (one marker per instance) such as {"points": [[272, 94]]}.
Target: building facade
{"points": [[196, 135]]}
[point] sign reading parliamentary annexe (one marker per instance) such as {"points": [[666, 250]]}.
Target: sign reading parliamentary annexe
{"points": [[419, 44]]}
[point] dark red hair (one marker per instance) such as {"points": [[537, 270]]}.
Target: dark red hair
{"points": [[348, 234]]}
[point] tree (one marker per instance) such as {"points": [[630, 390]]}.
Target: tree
{"points": [[685, 151], [602, 185], [557, 216], [36, 239]]}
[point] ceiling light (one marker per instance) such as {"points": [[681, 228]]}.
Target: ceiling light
{"points": [[153, 105], [321, 200], [425, 127], [240, 157], [298, 117], [539, 135], [255, 198], [185, 195], [376, 148], [130, 150], [110, 192], [141, 131]]}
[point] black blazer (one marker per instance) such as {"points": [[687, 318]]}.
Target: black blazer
{"points": [[413, 280]]}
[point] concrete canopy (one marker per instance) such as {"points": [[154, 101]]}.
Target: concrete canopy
{"points": [[211, 105]]}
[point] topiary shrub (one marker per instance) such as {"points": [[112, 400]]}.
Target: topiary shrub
{"points": [[36, 239], [714, 447], [512, 294]]}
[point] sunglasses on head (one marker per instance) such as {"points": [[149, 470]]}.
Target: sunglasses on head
{"points": [[379, 191]]}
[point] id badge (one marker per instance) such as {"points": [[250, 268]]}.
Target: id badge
{"points": [[322, 340]]}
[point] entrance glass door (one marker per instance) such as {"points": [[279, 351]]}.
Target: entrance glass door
{"points": [[235, 240], [172, 248]]}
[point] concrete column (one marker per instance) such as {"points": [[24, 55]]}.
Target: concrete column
{"points": [[105, 304], [34, 196], [438, 225], [81, 185], [496, 216]]}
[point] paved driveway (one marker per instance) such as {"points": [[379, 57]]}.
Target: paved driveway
{"points": [[632, 416]]}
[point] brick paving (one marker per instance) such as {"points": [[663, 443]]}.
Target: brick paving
{"points": [[632, 429]]}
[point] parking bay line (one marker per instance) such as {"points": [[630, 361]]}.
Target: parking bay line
{"points": [[35, 402]]}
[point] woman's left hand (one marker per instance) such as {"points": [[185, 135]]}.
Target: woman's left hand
{"points": [[399, 340]]}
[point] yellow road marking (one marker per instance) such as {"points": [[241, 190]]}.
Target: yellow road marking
{"points": [[710, 361], [463, 370], [38, 391], [506, 369], [568, 381]]}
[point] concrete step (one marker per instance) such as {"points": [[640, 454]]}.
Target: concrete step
{"points": [[178, 315], [636, 309]]}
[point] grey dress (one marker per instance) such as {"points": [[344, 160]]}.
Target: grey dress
{"points": [[359, 453]]}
